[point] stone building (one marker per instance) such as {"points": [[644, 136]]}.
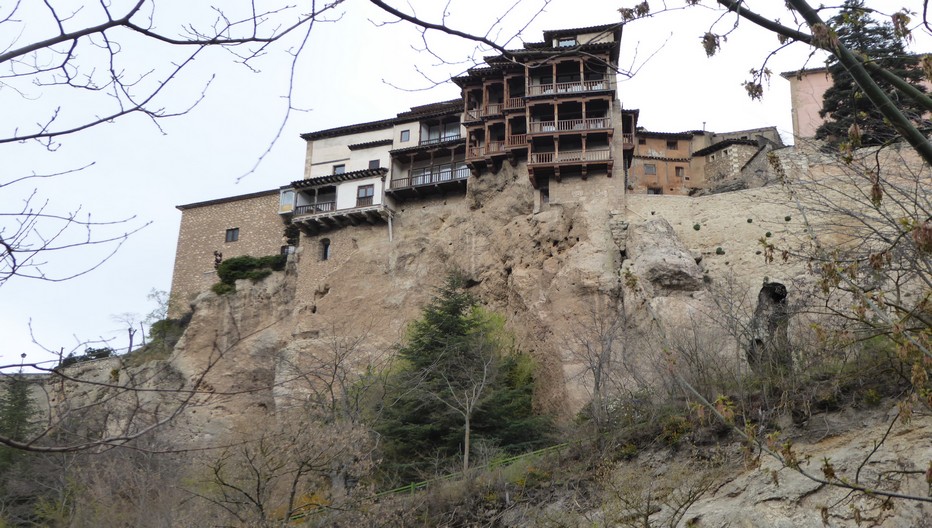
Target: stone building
{"points": [[549, 112]]}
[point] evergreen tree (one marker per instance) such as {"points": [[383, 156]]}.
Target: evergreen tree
{"points": [[461, 383], [851, 119], [17, 416]]}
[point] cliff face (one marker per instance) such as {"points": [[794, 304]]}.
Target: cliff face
{"points": [[549, 267]]}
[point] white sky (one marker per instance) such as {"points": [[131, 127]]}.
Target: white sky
{"points": [[344, 76]]}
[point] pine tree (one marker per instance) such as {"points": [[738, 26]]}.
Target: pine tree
{"points": [[461, 383], [851, 119]]}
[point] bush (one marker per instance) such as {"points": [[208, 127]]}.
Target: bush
{"points": [[246, 267], [222, 288]]}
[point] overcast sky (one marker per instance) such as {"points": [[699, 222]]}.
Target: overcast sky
{"points": [[352, 70]]}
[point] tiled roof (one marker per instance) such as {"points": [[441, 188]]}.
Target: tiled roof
{"points": [[722, 144], [350, 129], [370, 144], [335, 178], [448, 143], [226, 200], [687, 133]]}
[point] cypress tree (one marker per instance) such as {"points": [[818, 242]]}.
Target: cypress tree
{"points": [[844, 105], [17, 416]]}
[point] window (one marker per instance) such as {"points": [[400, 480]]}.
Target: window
{"points": [[405, 136], [286, 201], [680, 172], [232, 234], [654, 190], [642, 141], [672, 144], [364, 195], [650, 169], [566, 42], [374, 164], [325, 249], [339, 169]]}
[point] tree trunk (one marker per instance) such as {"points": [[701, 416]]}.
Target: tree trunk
{"points": [[466, 445]]}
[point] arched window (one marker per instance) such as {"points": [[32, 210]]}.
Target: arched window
{"points": [[325, 249]]}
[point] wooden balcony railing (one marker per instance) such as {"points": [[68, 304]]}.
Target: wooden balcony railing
{"points": [[363, 201], [319, 207], [513, 103], [441, 139], [430, 175], [492, 147], [471, 115], [517, 140], [570, 156], [492, 109], [627, 138], [565, 125], [569, 87]]}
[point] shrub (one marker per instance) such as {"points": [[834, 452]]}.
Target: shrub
{"points": [[697, 227], [719, 250], [750, 220], [246, 267], [768, 234], [222, 288], [787, 218]]}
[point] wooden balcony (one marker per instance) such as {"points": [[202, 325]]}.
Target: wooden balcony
{"points": [[319, 207], [428, 180], [514, 103], [313, 220], [628, 140], [470, 116], [569, 125], [569, 87], [363, 201], [442, 139], [569, 157], [492, 109], [491, 148], [516, 141]]}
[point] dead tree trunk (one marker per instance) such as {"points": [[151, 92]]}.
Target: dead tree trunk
{"points": [[768, 350]]}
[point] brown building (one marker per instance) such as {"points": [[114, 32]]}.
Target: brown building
{"points": [[550, 110], [684, 163]]}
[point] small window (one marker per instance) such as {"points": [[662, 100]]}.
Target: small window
{"points": [[286, 201], [374, 164], [325, 249], [405, 136], [680, 172], [232, 234], [650, 169], [654, 190], [364, 195], [642, 141], [566, 42], [672, 144], [339, 169]]}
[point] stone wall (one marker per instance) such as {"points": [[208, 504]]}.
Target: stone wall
{"points": [[203, 230]]}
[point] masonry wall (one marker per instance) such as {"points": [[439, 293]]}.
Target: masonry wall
{"points": [[203, 231], [727, 162]]}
